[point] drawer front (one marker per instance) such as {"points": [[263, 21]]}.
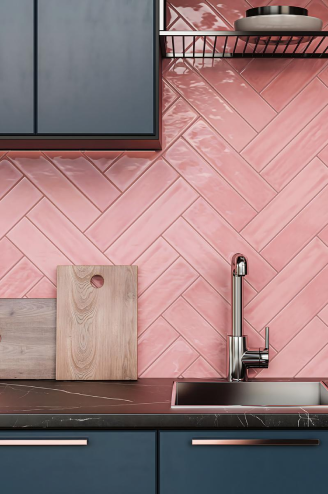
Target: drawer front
{"points": [[121, 462], [230, 462]]}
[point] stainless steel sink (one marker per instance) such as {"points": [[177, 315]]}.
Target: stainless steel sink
{"points": [[249, 394]]}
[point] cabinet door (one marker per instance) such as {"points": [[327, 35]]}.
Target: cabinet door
{"points": [[111, 463], [16, 66], [227, 469], [96, 72]]}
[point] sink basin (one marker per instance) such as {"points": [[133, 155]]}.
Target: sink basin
{"points": [[248, 394]]}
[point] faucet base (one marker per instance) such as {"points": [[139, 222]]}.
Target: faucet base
{"points": [[240, 359], [236, 349]]}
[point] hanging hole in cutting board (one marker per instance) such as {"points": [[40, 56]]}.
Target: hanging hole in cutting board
{"points": [[97, 281]]}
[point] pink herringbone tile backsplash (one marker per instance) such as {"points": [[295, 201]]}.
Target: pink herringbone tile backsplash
{"points": [[243, 168]]}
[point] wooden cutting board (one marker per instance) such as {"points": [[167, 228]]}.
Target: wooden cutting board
{"points": [[27, 338], [96, 325]]}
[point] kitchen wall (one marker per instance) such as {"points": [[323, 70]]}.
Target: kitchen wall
{"points": [[243, 168]]}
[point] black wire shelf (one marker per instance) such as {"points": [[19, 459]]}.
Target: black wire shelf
{"points": [[240, 44]]}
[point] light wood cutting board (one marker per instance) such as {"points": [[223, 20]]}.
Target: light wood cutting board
{"points": [[96, 327], [28, 338]]}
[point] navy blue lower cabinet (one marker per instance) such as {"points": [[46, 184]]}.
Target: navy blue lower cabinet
{"points": [[54, 462], [187, 468]]}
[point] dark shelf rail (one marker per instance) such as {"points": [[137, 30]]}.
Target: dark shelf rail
{"points": [[243, 44]]}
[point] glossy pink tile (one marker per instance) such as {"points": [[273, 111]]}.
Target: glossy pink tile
{"points": [[291, 81], [153, 262], [240, 95], [191, 325], [131, 205], [129, 167], [173, 362], [171, 16], [300, 151], [230, 11], [166, 289], [16, 204], [210, 105], [212, 306], [200, 15], [259, 73], [260, 3], [151, 224], [317, 8], [9, 256], [85, 177], [44, 254], [43, 289], [299, 311], [153, 342], [291, 200], [203, 258], [210, 184], [323, 155], [132, 164], [323, 235], [288, 283], [200, 255], [294, 237], [103, 159], [230, 165], [169, 96], [62, 233], [291, 360], [167, 62], [323, 314], [227, 241], [317, 367], [9, 176], [288, 123], [19, 280], [56, 187], [324, 76], [201, 369], [176, 120]]}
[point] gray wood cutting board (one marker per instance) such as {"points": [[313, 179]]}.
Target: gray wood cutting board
{"points": [[27, 338], [96, 325]]}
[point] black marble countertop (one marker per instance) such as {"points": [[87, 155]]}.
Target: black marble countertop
{"points": [[142, 404]]}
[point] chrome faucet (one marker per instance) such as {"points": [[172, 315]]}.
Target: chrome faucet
{"points": [[240, 359]]}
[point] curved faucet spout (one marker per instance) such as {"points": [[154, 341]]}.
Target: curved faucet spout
{"points": [[239, 265]]}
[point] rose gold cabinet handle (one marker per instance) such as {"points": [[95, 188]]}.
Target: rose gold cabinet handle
{"points": [[255, 442], [43, 442]]}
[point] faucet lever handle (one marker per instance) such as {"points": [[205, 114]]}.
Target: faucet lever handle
{"points": [[267, 337]]}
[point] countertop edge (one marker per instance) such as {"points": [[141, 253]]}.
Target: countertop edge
{"points": [[162, 421]]}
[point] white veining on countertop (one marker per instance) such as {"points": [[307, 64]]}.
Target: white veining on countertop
{"points": [[61, 391]]}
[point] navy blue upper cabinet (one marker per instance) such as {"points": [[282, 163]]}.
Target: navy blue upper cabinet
{"points": [[96, 67], [16, 66], [79, 74], [188, 469], [112, 463]]}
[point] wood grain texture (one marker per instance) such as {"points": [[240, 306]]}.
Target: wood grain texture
{"points": [[28, 338], [96, 327]]}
